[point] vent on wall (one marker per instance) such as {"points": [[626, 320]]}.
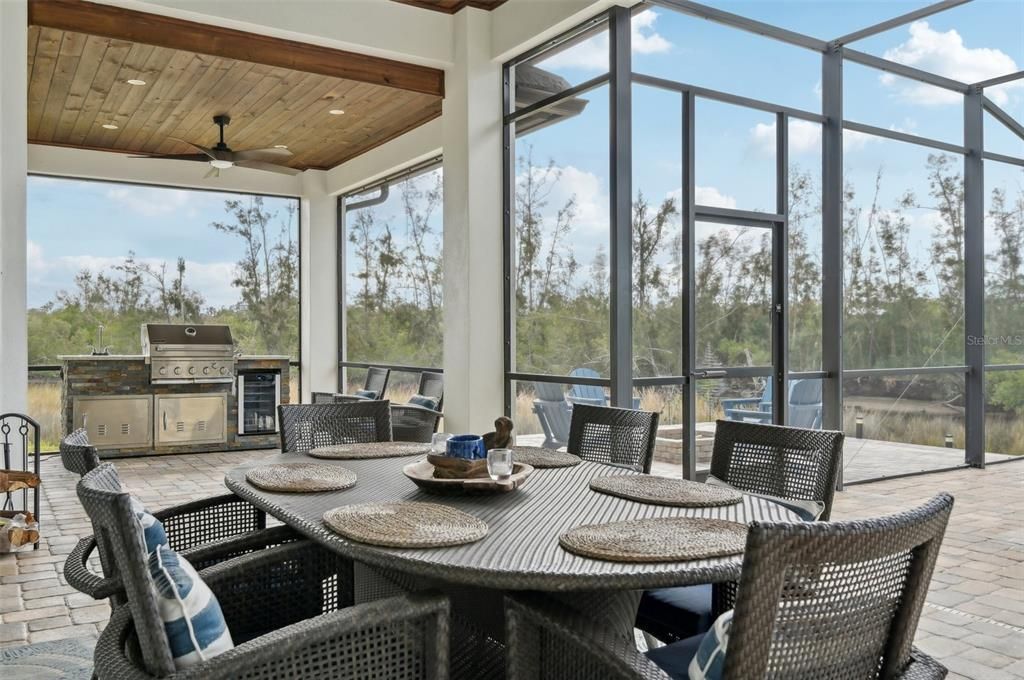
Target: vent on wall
{"points": [[179, 427], [201, 426], [126, 428], [101, 430]]}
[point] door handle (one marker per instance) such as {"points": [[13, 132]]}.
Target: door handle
{"points": [[165, 421], [711, 374]]}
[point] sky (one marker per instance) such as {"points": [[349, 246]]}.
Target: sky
{"points": [[75, 224]]}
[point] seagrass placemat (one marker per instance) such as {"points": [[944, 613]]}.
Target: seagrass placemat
{"points": [[539, 457], [301, 477], [370, 450], [680, 493], [407, 524], [660, 539]]}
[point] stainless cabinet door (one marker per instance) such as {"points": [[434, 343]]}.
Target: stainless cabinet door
{"points": [[191, 419]]}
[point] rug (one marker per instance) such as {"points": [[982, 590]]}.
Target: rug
{"points": [[70, 659]]}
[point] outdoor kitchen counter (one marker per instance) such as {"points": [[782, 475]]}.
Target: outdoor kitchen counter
{"points": [[124, 376]]}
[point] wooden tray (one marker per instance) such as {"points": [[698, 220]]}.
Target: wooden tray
{"points": [[422, 474]]}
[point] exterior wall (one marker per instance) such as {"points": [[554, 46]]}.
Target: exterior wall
{"points": [[129, 375]]}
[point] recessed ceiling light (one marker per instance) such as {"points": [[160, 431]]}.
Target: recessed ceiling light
{"points": [[109, 126], [280, 146], [135, 81], [336, 112]]}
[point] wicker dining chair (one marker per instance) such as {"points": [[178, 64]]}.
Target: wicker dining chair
{"points": [[787, 463], [837, 600], [208, 531], [77, 454], [288, 609], [613, 436], [415, 422], [307, 426]]}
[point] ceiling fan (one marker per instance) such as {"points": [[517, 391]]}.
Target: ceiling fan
{"points": [[220, 156]]}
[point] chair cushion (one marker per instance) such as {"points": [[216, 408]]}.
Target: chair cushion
{"points": [[366, 394], [153, 533], [675, 658], [675, 613], [809, 511], [193, 620], [425, 402]]}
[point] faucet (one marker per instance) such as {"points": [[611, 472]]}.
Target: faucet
{"points": [[99, 349]]}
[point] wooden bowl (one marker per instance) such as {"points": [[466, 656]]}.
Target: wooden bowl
{"points": [[422, 474], [450, 467]]}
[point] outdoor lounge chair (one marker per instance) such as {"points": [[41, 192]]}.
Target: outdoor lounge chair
{"points": [[307, 426], [288, 609], [804, 405], [374, 388], [789, 464], [613, 436], [554, 414], [417, 422], [586, 394], [837, 600]]}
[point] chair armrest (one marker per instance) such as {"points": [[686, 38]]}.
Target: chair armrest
{"points": [[82, 578], [741, 414], [578, 646], [739, 401], [414, 411], [209, 520], [362, 640], [922, 667], [589, 401]]}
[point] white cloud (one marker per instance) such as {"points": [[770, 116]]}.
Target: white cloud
{"points": [[149, 202], [709, 196], [211, 279], [592, 54], [805, 137], [945, 54]]}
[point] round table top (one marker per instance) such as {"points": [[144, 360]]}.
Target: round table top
{"points": [[521, 550]]}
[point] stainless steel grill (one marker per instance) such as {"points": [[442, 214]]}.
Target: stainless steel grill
{"points": [[183, 353]]}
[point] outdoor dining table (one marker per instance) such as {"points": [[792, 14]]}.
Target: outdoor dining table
{"points": [[521, 550]]}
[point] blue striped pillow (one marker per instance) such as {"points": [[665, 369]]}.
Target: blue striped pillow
{"points": [[153, 534], [193, 620], [708, 662]]}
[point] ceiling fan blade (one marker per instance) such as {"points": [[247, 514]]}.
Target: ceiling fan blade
{"points": [[214, 172], [263, 155], [178, 156], [269, 167], [208, 152]]}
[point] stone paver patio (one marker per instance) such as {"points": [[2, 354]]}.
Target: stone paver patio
{"points": [[973, 621]]}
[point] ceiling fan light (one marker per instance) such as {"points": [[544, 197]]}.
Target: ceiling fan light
{"points": [[221, 165]]}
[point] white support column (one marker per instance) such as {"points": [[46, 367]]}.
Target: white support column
{"points": [[13, 169], [319, 253], [473, 363]]}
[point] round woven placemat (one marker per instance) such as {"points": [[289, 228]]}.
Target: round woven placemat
{"points": [[660, 539], [370, 450], [680, 493], [301, 477], [539, 457], [405, 524]]}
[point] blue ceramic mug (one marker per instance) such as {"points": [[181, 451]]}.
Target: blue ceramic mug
{"points": [[468, 446]]}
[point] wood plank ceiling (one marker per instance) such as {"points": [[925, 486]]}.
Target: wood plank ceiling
{"points": [[78, 84]]}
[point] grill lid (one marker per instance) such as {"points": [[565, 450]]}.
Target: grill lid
{"points": [[186, 334]]}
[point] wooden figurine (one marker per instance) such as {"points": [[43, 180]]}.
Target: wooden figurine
{"points": [[501, 438]]}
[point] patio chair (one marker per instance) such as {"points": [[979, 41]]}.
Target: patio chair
{"points": [[791, 465], [287, 608], [804, 405], [554, 414], [586, 394], [307, 426], [374, 388], [837, 600], [417, 420], [208, 530], [613, 436]]}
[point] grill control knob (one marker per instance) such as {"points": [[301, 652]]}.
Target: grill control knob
{"points": [[163, 370], [206, 370], [223, 370], [191, 370], [177, 370]]}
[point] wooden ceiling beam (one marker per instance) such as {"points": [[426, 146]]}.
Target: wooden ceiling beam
{"points": [[452, 6], [178, 34]]}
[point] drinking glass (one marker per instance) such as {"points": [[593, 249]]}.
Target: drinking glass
{"points": [[499, 464], [439, 443]]}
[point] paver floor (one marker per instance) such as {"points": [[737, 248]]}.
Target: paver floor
{"points": [[973, 620]]}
